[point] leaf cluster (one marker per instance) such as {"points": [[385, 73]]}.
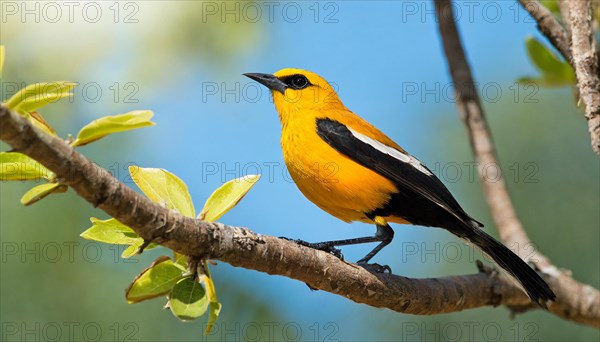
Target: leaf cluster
{"points": [[187, 284]]}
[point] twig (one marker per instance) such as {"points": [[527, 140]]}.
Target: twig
{"points": [[503, 212], [549, 26], [469, 106]]}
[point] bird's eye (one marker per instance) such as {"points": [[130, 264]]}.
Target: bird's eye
{"points": [[299, 82]]}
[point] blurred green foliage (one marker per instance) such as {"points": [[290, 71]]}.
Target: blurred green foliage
{"points": [[554, 71]]}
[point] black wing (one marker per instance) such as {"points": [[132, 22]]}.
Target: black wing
{"points": [[421, 198]]}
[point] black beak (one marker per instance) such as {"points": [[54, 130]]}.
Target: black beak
{"points": [[268, 81]]}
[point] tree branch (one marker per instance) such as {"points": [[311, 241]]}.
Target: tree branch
{"points": [[576, 43], [480, 137], [585, 63], [496, 193], [244, 248], [549, 26]]}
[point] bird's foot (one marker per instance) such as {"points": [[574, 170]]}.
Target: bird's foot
{"points": [[322, 246], [374, 267]]}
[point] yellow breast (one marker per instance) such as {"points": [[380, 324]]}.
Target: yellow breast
{"points": [[329, 179]]}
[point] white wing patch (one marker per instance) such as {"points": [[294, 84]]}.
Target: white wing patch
{"points": [[405, 158]]}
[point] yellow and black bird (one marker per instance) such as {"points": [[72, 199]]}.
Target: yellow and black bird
{"points": [[353, 171]]}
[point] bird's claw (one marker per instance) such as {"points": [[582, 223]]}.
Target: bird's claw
{"points": [[375, 267], [329, 248], [322, 246]]}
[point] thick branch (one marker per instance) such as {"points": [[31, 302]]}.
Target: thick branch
{"points": [[585, 63], [244, 248], [496, 193]]}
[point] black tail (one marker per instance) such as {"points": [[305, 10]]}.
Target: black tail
{"points": [[534, 285]]}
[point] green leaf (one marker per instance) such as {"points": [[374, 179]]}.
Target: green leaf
{"points": [[39, 93], [164, 188], [112, 124], [226, 197], [188, 300], [38, 121], [111, 231], [38, 192], [214, 304], [155, 281], [1, 58], [555, 72], [17, 166], [30, 104], [214, 309], [132, 249], [542, 58]]}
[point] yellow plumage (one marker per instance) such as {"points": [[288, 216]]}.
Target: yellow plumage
{"points": [[332, 181]]}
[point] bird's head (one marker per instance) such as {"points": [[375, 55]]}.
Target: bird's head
{"points": [[298, 90]]}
